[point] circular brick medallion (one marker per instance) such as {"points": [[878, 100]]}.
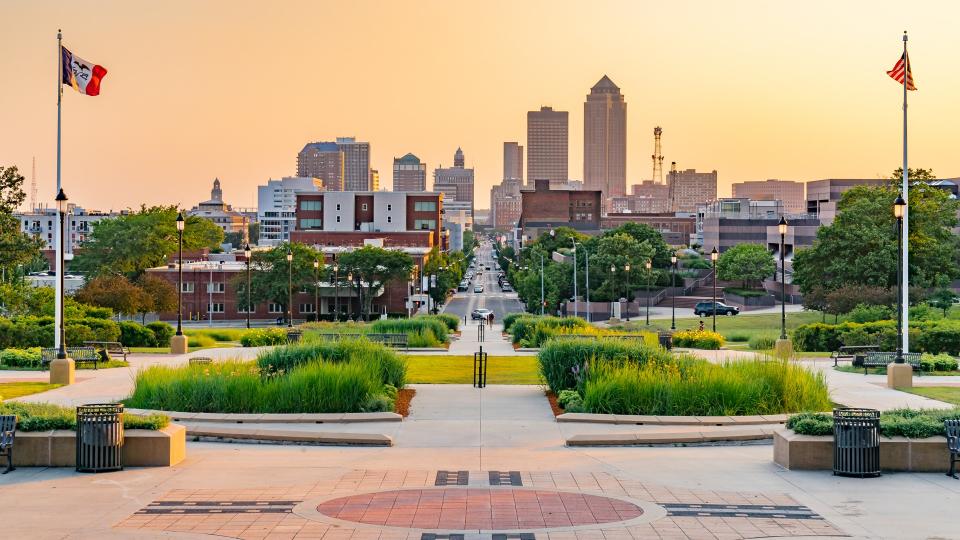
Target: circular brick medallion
{"points": [[480, 509]]}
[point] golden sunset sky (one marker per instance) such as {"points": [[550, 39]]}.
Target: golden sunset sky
{"points": [[202, 89]]}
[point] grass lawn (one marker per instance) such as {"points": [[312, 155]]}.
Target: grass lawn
{"points": [[441, 369], [103, 365], [16, 389], [767, 323], [948, 394]]}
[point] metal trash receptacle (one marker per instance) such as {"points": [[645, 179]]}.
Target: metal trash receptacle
{"points": [[856, 442], [100, 437], [666, 340], [293, 336]]}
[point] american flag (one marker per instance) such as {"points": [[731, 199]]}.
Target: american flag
{"points": [[903, 67]]}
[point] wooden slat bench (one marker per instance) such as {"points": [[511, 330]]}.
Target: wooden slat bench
{"points": [[80, 355], [881, 359], [112, 347]]}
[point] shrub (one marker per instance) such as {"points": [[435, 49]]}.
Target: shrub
{"points": [[162, 332], [912, 423], [20, 357], [698, 339], [746, 293], [938, 362], [134, 334], [46, 417], [534, 331], [762, 343], [932, 336], [452, 321], [810, 423], [262, 337], [564, 363], [391, 367], [417, 325], [738, 336], [510, 318], [200, 340], [869, 313], [565, 396], [76, 334]]}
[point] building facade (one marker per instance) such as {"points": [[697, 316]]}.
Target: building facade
{"points": [[409, 174], [457, 185], [605, 140], [356, 164], [676, 229], [548, 134], [276, 207], [505, 204], [512, 161], [727, 222], [323, 160], [789, 192], [222, 214], [543, 209], [689, 189], [43, 223], [823, 195]]}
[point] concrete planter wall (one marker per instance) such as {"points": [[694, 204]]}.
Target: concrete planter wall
{"points": [[806, 452], [141, 448], [731, 298]]}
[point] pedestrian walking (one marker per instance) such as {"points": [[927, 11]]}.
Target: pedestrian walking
{"points": [[701, 325]]}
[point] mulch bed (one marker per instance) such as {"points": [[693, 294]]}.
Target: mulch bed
{"points": [[552, 398], [404, 397]]}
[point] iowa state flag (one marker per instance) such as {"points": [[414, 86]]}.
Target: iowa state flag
{"points": [[83, 76]]}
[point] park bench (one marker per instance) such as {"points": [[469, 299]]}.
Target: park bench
{"points": [[111, 347], [881, 359], [852, 352], [80, 355], [8, 431], [952, 427]]}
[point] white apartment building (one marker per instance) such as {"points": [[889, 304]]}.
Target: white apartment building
{"points": [[277, 205], [79, 223]]}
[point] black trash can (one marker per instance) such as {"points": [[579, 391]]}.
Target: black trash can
{"points": [[856, 442], [666, 340], [100, 437], [293, 336]]}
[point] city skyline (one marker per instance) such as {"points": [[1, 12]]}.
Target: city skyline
{"points": [[812, 102]]}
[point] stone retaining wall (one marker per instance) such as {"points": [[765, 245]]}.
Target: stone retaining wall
{"points": [[807, 452], [141, 447]]}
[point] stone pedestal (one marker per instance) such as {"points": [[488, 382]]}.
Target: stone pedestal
{"points": [[899, 375], [783, 349], [178, 344], [62, 371]]}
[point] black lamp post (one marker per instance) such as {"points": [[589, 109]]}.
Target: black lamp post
{"points": [[181, 223], [673, 293], [713, 260], [289, 288], [648, 266], [899, 206], [336, 292], [782, 226], [350, 297], [62, 211], [316, 290], [626, 268], [247, 253]]}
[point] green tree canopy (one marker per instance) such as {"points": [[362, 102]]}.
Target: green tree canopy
{"points": [[642, 232], [16, 246], [131, 243], [271, 274], [749, 263], [375, 268], [449, 269]]}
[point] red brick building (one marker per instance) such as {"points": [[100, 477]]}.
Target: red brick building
{"points": [[543, 209]]}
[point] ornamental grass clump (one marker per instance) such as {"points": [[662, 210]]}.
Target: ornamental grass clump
{"points": [[417, 325], [534, 330], [392, 368], [47, 417], [564, 361]]}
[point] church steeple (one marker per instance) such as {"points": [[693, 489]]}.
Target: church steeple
{"points": [[458, 158], [216, 194]]}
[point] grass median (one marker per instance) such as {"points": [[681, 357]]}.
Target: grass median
{"points": [[446, 369], [12, 390]]}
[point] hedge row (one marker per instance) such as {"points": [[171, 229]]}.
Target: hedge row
{"points": [[931, 336], [25, 332]]}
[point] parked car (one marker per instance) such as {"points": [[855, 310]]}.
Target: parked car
{"points": [[478, 289], [707, 308], [480, 314], [464, 287], [506, 287]]}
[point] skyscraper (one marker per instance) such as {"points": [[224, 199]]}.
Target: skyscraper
{"points": [[456, 184], [547, 146], [605, 140], [356, 164], [323, 160], [512, 161], [409, 174]]}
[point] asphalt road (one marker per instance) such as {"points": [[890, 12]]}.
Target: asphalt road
{"points": [[492, 298]]}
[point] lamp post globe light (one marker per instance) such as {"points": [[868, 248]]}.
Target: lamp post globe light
{"points": [[626, 268], [247, 253], [62, 368], [178, 342], [673, 294], [714, 255], [289, 288], [648, 266]]}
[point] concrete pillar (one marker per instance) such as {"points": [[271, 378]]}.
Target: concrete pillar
{"points": [[783, 349], [62, 371], [178, 344], [899, 375]]}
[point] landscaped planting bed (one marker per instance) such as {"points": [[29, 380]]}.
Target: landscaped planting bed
{"points": [[618, 377], [534, 330], [46, 417], [912, 423], [351, 375], [421, 331]]}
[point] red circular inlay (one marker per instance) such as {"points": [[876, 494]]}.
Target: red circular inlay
{"points": [[481, 509]]}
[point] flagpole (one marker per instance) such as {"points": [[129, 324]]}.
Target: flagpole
{"points": [[58, 307], [905, 296]]}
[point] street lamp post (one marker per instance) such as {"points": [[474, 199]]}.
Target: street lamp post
{"points": [[178, 342], [782, 226], [350, 298], [626, 268], [542, 300], [289, 288], [586, 257], [62, 368], [247, 253], [316, 290], [898, 211], [713, 260], [673, 293], [648, 265], [336, 292]]}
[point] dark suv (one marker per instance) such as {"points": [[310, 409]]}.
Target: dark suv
{"points": [[706, 308]]}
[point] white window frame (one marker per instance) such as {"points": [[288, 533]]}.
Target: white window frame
{"points": [[187, 287], [275, 308], [216, 307]]}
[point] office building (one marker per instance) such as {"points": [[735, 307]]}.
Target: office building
{"points": [[725, 223], [823, 195], [276, 207], [605, 140], [374, 180], [790, 193], [543, 208], [676, 229], [689, 189], [547, 146], [409, 174], [323, 160], [512, 161], [456, 183], [505, 204], [356, 164]]}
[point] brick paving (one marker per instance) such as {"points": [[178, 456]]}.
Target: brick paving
{"points": [[402, 504]]}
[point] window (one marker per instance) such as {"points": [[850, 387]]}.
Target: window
{"points": [[425, 224], [307, 308], [311, 205], [425, 206], [187, 288], [215, 287], [389, 219], [310, 223], [242, 308], [389, 208], [338, 207], [338, 219], [214, 308], [364, 207], [274, 308]]}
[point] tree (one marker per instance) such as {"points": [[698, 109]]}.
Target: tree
{"points": [[157, 296], [449, 269], [374, 268], [816, 299], [114, 292], [747, 263], [270, 274], [844, 299], [617, 251], [131, 243], [16, 246], [469, 242], [645, 233], [11, 189], [942, 299], [860, 246]]}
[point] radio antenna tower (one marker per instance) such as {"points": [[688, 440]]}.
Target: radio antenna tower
{"points": [[33, 186], [657, 156]]}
